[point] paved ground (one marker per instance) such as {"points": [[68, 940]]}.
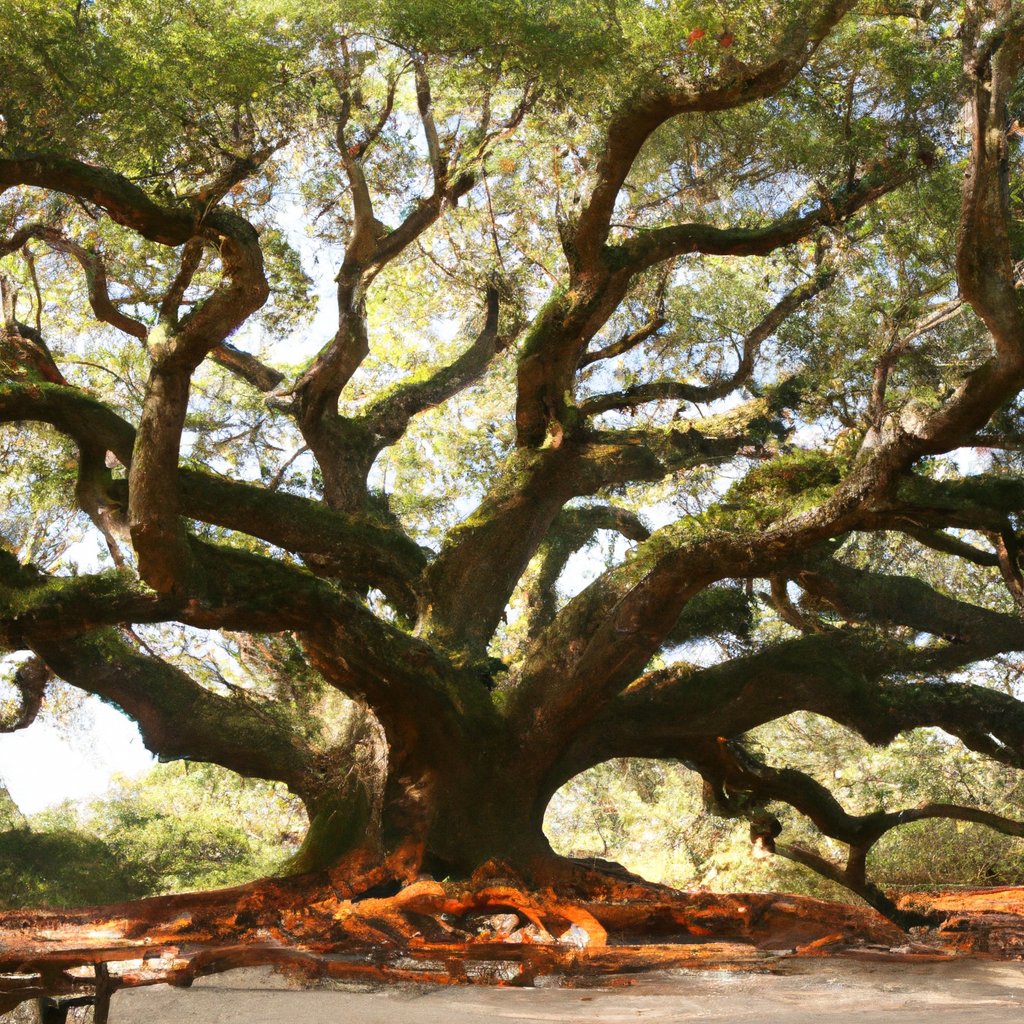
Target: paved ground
{"points": [[807, 992]]}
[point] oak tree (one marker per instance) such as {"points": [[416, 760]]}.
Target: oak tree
{"points": [[659, 348]]}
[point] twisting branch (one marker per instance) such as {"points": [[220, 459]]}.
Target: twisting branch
{"points": [[632, 125], [235, 170], [468, 585], [30, 679], [572, 529], [664, 390], [860, 594], [177, 347], [650, 247], [985, 267], [628, 341], [746, 783], [124, 201], [21, 237], [96, 281], [370, 248], [858, 681], [157, 534], [389, 416], [558, 337], [627, 613], [358, 552], [741, 784], [95, 274]]}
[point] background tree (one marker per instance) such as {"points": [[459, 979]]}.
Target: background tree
{"points": [[735, 283], [178, 827]]}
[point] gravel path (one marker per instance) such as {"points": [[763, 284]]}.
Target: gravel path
{"points": [[803, 992]]}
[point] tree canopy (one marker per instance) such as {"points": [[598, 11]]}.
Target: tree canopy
{"points": [[419, 404]]}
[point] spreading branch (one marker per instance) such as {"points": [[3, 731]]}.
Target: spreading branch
{"points": [[30, 680], [725, 89], [671, 390]]}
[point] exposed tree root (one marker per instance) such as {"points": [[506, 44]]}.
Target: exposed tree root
{"points": [[987, 921], [374, 924]]}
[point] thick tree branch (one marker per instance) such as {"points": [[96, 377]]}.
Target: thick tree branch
{"points": [[370, 248], [981, 502], [178, 718], [858, 681], [627, 613], [242, 364], [125, 202], [355, 550], [572, 529], [468, 585], [31, 602], [314, 397], [388, 416], [339, 445], [985, 268], [30, 679], [157, 533], [860, 594], [425, 105], [238, 591], [470, 582], [246, 366], [569, 681], [177, 348], [634, 123], [657, 244]]}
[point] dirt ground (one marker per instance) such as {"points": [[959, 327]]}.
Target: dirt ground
{"points": [[795, 991]]}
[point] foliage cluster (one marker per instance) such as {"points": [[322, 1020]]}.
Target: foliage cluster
{"points": [[176, 828]]}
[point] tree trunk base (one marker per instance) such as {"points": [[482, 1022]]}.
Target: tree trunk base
{"points": [[363, 921]]}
